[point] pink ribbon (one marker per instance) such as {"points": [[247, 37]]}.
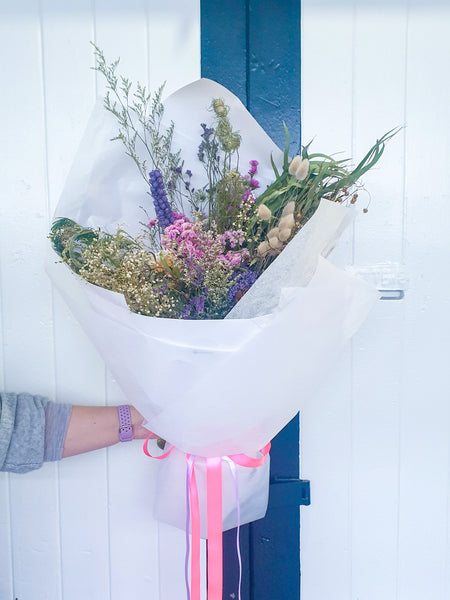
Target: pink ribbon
{"points": [[195, 529], [214, 517], [161, 456]]}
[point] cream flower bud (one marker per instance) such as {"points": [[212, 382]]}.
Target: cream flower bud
{"points": [[302, 171], [263, 248], [299, 167], [273, 233], [287, 221], [219, 107], [275, 243], [284, 234], [264, 213], [295, 163], [288, 209]]}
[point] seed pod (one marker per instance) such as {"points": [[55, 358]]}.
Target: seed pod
{"points": [[275, 243], [295, 163], [302, 170], [287, 221], [273, 232], [233, 142], [288, 209], [263, 248], [219, 107], [284, 234], [264, 213]]}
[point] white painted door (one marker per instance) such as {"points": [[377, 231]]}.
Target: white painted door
{"points": [[375, 444]]}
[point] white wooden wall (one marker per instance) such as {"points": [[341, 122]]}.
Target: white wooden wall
{"points": [[375, 444], [83, 528]]}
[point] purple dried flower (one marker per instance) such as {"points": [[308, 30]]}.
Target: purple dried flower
{"points": [[253, 167], [161, 203], [162, 289], [244, 279], [247, 196], [197, 303]]}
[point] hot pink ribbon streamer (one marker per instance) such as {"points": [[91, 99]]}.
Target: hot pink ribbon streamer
{"points": [[195, 525], [214, 516]]}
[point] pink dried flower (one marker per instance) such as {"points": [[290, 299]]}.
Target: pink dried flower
{"points": [[234, 237]]}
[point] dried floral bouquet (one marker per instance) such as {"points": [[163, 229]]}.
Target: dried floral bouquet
{"points": [[207, 245]]}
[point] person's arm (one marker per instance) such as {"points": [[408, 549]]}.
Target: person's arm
{"points": [[94, 427], [22, 432], [34, 430]]}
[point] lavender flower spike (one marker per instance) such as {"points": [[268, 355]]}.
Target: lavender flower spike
{"points": [[161, 203]]}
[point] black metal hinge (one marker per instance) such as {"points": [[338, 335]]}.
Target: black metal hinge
{"points": [[289, 492]]}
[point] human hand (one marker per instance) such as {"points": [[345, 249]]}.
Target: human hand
{"points": [[140, 431]]}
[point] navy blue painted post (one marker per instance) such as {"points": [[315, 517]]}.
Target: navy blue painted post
{"points": [[253, 48]]}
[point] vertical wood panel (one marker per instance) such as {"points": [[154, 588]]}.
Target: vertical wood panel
{"points": [[425, 415], [274, 68], [327, 75], [375, 452], [378, 105], [220, 22], [26, 292], [6, 578], [325, 460], [173, 43], [69, 93]]}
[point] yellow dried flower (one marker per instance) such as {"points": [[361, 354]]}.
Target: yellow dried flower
{"points": [[273, 233]]}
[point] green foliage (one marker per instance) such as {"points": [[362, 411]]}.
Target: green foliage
{"points": [[327, 178]]}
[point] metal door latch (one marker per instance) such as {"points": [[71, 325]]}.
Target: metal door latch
{"points": [[388, 278]]}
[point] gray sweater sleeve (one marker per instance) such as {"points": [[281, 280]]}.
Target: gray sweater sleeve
{"points": [[32, 430]]}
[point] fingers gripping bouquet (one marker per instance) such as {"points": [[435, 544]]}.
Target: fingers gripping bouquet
{"points": [[200, 277]]}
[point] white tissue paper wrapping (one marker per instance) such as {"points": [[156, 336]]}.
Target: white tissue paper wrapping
{"points": [[211, 387]]}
